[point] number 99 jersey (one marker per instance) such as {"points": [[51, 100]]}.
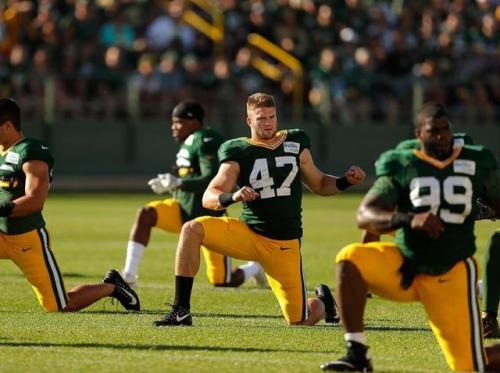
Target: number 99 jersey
{"points": [[274, 172], [418, 183]]}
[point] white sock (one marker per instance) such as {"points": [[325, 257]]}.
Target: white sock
{"points": [[135, 251], [250, 269], [356, 337]]}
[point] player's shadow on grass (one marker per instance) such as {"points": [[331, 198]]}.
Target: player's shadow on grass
{"points": [[396, 328], [152, 347], [112, 310], [76, 275]]}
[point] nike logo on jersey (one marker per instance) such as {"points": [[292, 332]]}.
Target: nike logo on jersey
{"points": [[180, 318], [441, 280], [24, 249], [44, 147], [285, 248], [133, 301]]}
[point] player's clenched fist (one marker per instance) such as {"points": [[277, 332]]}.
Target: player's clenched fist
{"points": [[355, 175], [245, 194]]}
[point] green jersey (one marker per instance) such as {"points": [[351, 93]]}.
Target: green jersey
{"points": [[13, 181], [197, 164], [418, 183], [274, 172], [459, 139]]}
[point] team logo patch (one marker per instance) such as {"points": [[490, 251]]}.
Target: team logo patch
{"points": [[6, 167], [12, 158], [291, 147], [463, 166]]}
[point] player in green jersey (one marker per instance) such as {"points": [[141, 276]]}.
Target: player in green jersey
{"points": [[268, 169], [428, 195], [25, 176], [196, 165], [491, 275]]}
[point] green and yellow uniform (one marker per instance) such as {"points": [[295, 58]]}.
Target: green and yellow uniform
{"points": [[270, 227], [197, 164], [24, 239], [446, 272]]}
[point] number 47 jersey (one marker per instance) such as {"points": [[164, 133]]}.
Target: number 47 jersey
{"points": [[448, 189], [274, 172]]}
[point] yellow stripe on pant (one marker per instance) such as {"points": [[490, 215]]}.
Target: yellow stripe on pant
{"points": [[218, 267], [450, 299], [31, 252]]}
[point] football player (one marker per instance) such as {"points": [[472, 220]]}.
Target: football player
{"points": [[25, 174], [268, 169], [428, 196], [196, 165], [490, 284]]}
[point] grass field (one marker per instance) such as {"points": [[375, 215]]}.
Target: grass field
{"points": [[234, 329]]}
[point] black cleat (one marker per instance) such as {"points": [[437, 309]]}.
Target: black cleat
{"points": [[490, 327], [356, 360], [331, 312], [123, 292], [178, 316]]}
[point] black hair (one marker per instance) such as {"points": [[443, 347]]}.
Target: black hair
{"points": [[10, 112], [433, 110]]}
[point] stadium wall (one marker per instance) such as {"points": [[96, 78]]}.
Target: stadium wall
{"points": [[121, 156]]}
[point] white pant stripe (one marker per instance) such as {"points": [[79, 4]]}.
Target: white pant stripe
{"points": [[53, 269], [476, 321], [227, 265]]}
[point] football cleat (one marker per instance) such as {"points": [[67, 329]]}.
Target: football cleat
{"points": [[490, 327], [331, 311], [356, 360], [178, 316], [122, 292]]}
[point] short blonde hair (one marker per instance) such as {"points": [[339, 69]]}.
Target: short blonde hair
{"points": [[260, 99]]}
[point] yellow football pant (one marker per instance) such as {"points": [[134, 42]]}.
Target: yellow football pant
{"points": [[31, 252], [281, 260], [170, 219], [450, 299]]}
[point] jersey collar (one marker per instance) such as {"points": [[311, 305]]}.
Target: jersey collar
{"points": [[279, 138], [3, 152], [437, 163]]}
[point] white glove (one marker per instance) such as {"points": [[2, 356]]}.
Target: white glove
{"points": [[164, 183]]}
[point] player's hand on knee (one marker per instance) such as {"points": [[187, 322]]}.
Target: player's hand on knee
{"points": [[429, 223], [245, 194], [164, 183], [355, 175]]}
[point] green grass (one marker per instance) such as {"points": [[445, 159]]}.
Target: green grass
{"points": [[235, 329]]}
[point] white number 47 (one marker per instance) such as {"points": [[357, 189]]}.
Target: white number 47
{"points": [[265, 182]]}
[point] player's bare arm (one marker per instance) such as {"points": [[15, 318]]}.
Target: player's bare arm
{"points": [[324, 184], [377, 214], [36, 189], [224, 183]]}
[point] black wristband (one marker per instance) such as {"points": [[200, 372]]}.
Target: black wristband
{"points": [[342, 183], [401, 219], [6, 208], [226, 199]]}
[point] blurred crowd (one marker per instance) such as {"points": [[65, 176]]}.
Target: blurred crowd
{"points": [[364, 61]]}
